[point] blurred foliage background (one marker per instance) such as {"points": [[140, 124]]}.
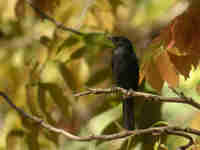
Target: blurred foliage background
{"points": [[43, 66]]}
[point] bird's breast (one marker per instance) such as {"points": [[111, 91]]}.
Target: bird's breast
{"points": [[125, 71]]}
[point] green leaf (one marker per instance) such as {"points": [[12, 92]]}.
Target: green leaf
{"points": [[72, 40], [78, 54], [93, 38], [157, 144], [51, 73], [103, 120], [96, 126], [97, 39], [160, 123]]}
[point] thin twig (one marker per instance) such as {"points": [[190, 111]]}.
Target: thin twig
{"points": [[189, 100], [20, 111], [164, 129], [88, 3], [148, 97], [58, 24]]}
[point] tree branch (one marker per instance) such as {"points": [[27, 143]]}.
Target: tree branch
{"points": [[183, 132], [58, 24], [84, 12], [148, 97]]}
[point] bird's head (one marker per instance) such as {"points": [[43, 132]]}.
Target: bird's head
{"points": [[120, 41]]}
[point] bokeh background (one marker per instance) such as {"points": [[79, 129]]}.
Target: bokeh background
{"points": [[43, 66]]}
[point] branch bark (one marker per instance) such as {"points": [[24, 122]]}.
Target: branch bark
{"points": [[183, 132], [147, 97], [58, 24]]}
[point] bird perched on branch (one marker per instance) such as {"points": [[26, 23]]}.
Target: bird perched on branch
{"points": [[125, 70]]}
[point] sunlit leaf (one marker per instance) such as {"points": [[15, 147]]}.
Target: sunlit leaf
{"points": [[157, 144], [160, 123], [181, 39], [98, 124]]}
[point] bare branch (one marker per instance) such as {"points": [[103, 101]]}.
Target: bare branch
{"points": [[20, 111], [84, 12], [58, 24], [148, 97], [188, 99], [184, 132]]}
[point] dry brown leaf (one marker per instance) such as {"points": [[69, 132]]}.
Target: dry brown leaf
{"points": [[153, 76], [183, 32], [166, 68], [181, 40], [184, 64]]}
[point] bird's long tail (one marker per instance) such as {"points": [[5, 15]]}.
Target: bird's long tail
{"points": [[128, 114]]}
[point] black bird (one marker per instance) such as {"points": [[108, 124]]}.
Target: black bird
{"points": [[125, 70]]}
